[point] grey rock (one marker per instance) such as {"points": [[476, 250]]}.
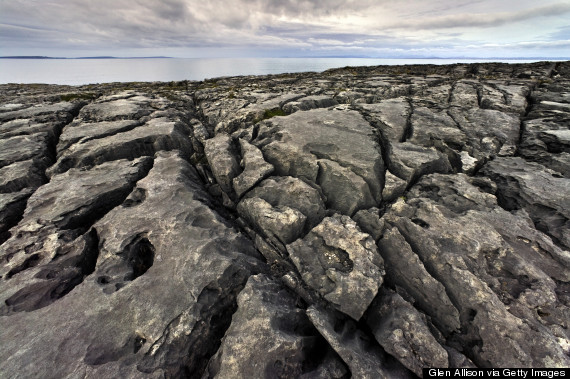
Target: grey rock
{"points": [[222, 160], [428, 125], [269, 336], [21, 148], [390, 116], [464, 93], [346, 192], [393, 187], [400, 329], [491, 298], [120, 109], [41, 110], [332, 367], [71, 196], [255, 168], [20, 175], [156, 135], [364, 359], [167, 275], [26, 127], [529, 186], [409, 161], [458, 360], [284, 223], [295, 143], [341, 263], [369, 221], [456, 176], [82, 132], [69, 201], [540, 143], [495, 96], [406, 270], [11, 107], [309, 102], [293, 193], [487, 131], [12, 206], [200, 131]]}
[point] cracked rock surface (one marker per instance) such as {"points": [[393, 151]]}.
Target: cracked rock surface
{"points": [[362, 222]]}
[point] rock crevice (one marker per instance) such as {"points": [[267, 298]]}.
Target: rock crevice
{"points": [[360, 222]]}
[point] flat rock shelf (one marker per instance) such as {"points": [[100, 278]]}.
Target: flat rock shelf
{"points": [[362, 222]]}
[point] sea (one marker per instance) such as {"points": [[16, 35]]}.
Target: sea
{"points": [[90, 71]]}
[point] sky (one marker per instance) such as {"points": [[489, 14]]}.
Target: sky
{"points": [[286, 28]]}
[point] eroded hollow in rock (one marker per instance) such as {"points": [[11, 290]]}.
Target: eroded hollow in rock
{"points": [[140, 256], [31, 261], [135, 260], [55, 280]]}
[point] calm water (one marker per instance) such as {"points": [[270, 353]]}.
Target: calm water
{"points": [[85, 71]]}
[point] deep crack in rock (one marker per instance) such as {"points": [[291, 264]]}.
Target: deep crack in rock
{"points": [[363, 221]]}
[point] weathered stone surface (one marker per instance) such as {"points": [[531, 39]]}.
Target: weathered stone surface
{"points": [[73, 195], [369, 221], [393, 187], [341, 263], [37, 110], [346, 192], [487, 131], [131, 237], [309, 102], [167, 252], [485, 274], [400, 329], [409, 161], [120, 109], [72, 200], [537, 143], [390, 116], [406, 270], [295, 144], [20, 175], [82, 132], [12, 206], [222, 160], [364, 359], [269, 336], [529, 186], [156, 135], [293, 193], [26, 127], [282, 222], [21, 148], [255, 168]]}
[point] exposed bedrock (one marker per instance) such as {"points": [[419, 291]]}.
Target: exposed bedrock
{"points": [[362, 222], [341, 263], [334, 150], [270, 336]]}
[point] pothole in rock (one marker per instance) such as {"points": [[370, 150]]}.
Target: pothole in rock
{"points": [[137, 258]]}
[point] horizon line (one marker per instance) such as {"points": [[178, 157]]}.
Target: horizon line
{"points": [[39, 57]]}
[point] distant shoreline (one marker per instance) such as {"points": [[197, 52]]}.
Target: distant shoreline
{"points": [[89, 71]]}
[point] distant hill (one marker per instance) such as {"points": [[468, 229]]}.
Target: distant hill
{"points": [[29, 57]]}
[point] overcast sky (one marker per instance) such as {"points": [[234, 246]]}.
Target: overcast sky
{"points": [[279, 28]]}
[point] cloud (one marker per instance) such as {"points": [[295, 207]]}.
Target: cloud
{"points": [[467, 20], [526, 44], [304, 26]]}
